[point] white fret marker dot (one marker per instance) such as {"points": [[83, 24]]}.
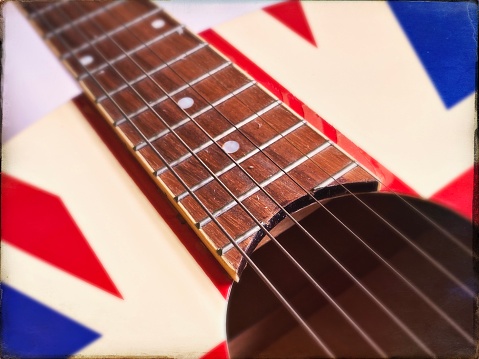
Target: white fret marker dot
{"points": [[230, 146], [86, 60], [186, 102], [158, 23]]}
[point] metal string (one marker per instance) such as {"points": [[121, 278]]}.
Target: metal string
{"points": [[367, 338], [198, 126], [284, 251], [267, 282], [283, 209], [405, 280]]}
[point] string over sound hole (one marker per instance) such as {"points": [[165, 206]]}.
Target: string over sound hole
{"points": [[414, 295]]}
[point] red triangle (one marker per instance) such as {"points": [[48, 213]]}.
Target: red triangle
{"points": [[458, 194], [218, 352], [39, 223], [292, 15]]}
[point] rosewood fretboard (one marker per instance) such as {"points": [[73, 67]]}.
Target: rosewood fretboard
{"points": [[230, 156]]}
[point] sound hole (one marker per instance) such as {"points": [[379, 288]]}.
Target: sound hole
{"points": [[259, 326]]}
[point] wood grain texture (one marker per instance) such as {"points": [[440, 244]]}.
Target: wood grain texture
{"points": [[176, 103]]}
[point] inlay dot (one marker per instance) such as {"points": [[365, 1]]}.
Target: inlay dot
{"points": [[86, 60], [158, 23], [230, 146], [186, 102]]}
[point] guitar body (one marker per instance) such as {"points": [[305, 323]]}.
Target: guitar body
{"points": [[103, 251], [259, 326], [109, 281]]}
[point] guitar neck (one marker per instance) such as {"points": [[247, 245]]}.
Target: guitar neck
{"points": [[232, 158]]}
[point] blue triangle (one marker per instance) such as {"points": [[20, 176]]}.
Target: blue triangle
{"points": [[444, 36], [32, 330]]}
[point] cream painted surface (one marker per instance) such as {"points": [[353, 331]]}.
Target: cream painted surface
{"points": [[365, 79], [170, 306]]}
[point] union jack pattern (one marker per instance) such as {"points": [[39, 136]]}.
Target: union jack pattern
{"points": [[89, 267]]}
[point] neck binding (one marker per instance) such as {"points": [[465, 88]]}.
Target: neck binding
{"points": [[230, 156]]}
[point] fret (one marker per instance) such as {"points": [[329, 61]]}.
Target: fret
{"points": [[238, 240], [182, 43], [336, 176], [151, 25], [210, 73], [96, 34], [151, 62], [36, 8], [222, 85], [273, 183], [229, 135], [55, 17], [151, 92], [236, 223], [248, 150], [269, 181], [235, 108], [195, 121], [245, 239], [201, 61], [179, 42], [193, 112], [103, 22], [85, 63], [80, 19], [126, 101], [241, 198], [244, 144], [163, 81], [356, 175], [127, 39]]}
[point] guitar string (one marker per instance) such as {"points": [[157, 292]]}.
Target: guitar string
{"points": [[185, 113], [379, 351], [416, 290], [302, 322], [119, 46], [423, 253]]}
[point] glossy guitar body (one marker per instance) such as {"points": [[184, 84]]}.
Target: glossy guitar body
{"points": [[258, 325], [376, 279]]}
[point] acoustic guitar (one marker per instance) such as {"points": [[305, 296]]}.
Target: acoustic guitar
{"points": [[326, 260]]}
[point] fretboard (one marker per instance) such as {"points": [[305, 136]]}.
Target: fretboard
{"points": [[232, 158]]}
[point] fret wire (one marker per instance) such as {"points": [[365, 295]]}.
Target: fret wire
{"points": [[463, 286], [242, 197], [275, 291], [422, 345], [107, 35], [154, 71], [161, 134], [268, 181], [125, 54], [327, 144], [238, 161], [369, 340], [195, 150], [445, 272], [397, 320], [47, 8], [176, 135], [157, 153], [336, 176], [178, 90], [113, 31], [81, 19]]}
